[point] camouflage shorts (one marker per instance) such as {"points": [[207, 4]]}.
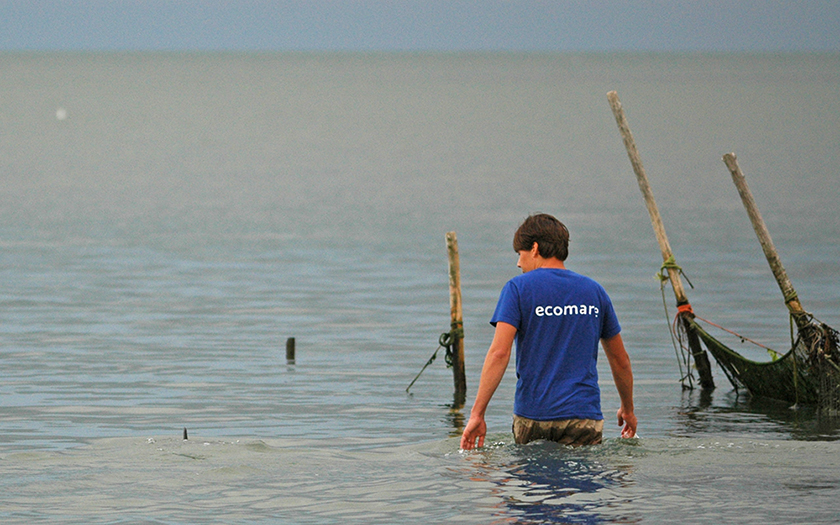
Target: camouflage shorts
{"points": [[574, 432]]}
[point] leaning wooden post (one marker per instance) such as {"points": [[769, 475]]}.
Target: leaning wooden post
{"points": [[701, 359], [457, 320], [800, 316]]}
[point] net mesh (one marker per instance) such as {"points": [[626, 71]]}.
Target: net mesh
{"points": [[826, 354], [809, 373]]}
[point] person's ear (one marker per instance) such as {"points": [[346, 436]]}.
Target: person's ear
{"points": [[535, 250]]}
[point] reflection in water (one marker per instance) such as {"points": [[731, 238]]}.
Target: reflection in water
{"points": [[545, 482], [456, 418], [730, 412]]}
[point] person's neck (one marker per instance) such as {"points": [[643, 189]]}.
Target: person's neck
{"points": [[553, 262]]}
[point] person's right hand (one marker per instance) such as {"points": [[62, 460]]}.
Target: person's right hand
{"points": [[628, 419]]}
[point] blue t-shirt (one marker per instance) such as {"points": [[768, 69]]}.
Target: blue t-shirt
{"points": [[560, 317]]}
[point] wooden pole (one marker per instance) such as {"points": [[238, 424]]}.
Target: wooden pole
{"points": [[791, 299], [290, 350], [701, 359], [457, 320], [647, 193]]}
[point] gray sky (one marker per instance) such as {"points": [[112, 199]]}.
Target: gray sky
{"points": [[417, 25]]}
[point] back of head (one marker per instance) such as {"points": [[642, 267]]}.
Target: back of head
{"points": [[551, 236]]}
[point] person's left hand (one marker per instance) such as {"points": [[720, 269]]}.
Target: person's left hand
{"points": [[474, 433]]}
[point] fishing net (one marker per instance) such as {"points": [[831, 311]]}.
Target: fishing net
{"points": [[828, 367], [808, 374]]}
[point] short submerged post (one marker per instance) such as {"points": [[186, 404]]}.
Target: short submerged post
{"points": [[290, 350], [457, 320]]}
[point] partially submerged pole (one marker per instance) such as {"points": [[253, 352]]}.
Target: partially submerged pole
{"points": [[457, 320], [791, 298], [290, 350], [701, 359]]}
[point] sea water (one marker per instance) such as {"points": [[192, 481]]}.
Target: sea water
{"points": [[167, 221]]}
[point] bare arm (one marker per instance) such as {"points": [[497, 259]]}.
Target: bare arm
{"points": [[623, 376], [495, 364]]}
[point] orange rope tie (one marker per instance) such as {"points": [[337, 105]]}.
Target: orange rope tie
{"points": [[683, 308]]}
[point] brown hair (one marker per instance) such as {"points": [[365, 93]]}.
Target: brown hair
{"points": [[551, 236]]}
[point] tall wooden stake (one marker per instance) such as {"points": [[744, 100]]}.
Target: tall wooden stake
{"points": [[457, 320], [701, 359]]}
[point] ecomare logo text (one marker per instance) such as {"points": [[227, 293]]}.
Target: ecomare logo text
{"points": [[569, 309]]}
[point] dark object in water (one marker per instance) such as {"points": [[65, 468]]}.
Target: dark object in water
{"points": [[185, 433], [290, 350]]}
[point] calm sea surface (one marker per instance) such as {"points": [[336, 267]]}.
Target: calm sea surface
{"points": [[168, 221]]}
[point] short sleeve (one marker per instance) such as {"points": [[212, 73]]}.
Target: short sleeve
{"points": [[507, 309], [610, 326]]}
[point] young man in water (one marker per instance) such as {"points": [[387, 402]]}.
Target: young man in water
{"points": [[557, 318]]}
